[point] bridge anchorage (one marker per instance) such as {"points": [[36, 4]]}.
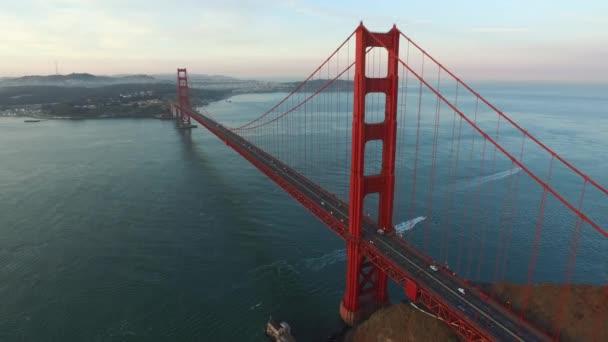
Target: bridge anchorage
{"points": [[369, 125], [179, 112]]}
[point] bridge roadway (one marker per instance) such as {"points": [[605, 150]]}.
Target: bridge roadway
{"points": [[494, 319]]}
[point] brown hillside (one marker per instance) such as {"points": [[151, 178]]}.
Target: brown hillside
{"points": [[579, 315], [401, 322]]}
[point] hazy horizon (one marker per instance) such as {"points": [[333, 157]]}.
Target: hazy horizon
{"points": [[540, 41], [298, 79]]}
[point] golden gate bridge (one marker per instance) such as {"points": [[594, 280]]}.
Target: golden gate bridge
{"points": [[377, 135]]}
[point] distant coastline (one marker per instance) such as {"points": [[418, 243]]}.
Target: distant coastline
{"points": [[113, 101], [85, 96]]}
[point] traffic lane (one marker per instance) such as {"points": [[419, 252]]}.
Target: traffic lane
{"points": [[270, 163], [455, 299], [452, 297], [481, 311], [331, 201], [486, 311], [273, 165], [440, 282]]}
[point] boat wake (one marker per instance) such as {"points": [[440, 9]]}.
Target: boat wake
{"points": [[408, 225], [475, 182], [318, 263], [253, 307]]}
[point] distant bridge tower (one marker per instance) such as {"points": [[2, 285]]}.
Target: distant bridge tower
{"points": [[366, 285], [183, 99]]}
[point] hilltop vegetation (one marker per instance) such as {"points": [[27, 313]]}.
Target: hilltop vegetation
{"points": [[76, 80]]}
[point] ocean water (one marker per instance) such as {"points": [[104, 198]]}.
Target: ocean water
{"points": [[132, 230]]}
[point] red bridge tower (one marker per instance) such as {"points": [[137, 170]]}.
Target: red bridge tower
{"points": [[183, 98], [366, 285]]}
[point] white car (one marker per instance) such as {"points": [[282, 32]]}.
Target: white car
{"points": [[322, 203], [433, 267], [380, 231], [461, 290]]}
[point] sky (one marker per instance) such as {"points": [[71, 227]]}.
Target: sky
{"points": [[530, 40]]}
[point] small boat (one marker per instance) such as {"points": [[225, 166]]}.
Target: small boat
{"points": [[31, 120], [279, 332]]}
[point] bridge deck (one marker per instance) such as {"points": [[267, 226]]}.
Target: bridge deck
{"points": [[402, 261]]}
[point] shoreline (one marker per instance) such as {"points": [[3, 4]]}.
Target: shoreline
{"points": [[130, 116]]}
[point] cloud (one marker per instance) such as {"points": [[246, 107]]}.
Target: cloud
{"points": [[316, 12], [276, 37], [500, 30]]}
